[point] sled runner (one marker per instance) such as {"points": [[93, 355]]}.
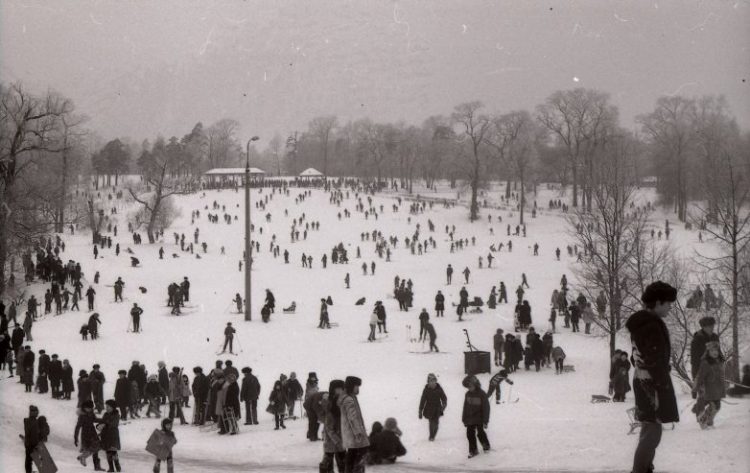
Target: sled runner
{"points": [[599, 398], [230, 421]]}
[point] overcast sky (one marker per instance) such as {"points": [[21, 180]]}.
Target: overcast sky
{"points": [[139, 69]]}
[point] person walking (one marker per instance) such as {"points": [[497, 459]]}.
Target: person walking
{"points": [[708, 385], [652, 385], [110, 434], [449, 273], [33, 435], [439, 304], [373, 325], [135, 314], [89, 439], [353, 430], [432, 404], [476, 415], [498, 341], [333, 446]]}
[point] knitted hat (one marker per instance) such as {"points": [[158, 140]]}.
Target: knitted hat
{"points": [[390, 424], [707, 322], [350, 382], [431, 377], [469, 380]]}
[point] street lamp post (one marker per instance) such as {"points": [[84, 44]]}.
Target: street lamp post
{"points": [[248, 244]]}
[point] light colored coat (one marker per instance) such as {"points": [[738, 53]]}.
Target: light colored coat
{"points": [[353, 430]]}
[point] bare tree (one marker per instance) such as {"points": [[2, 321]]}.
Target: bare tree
{"points": [[474, 128], [321, 128], [609, 233], [275, 146], [162, 183], [222, 142], [27, 126], [728, 189], [576, 118], [515, 136], [670, 128]]}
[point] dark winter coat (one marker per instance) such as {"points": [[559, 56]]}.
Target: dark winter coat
{"points": [[652, 384], [122, 392], [293, 390], [154, 390], [476, 408], [164, 379], [524, 314], [250, 388], [277, 399], [44, 362], [89, 440], [201, 386], [31, 432], [55, 371], [388, 446], [709, 381], [698, 348], [67, 379], [431, 332], [233, 399], [440, 302], [433, 402], [97, 384], [620, 378], [84, 390], [110, 434]]}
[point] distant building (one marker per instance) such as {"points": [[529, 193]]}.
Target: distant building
{"points": [[219, 176], [311, 173]]}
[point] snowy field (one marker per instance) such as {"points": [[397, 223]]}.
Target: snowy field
{"points": [[553, 426]]}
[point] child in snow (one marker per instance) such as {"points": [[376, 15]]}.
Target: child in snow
{"points": [[495, 382], [559, 356], [432, 404], [166, 428], [620, 377], [185, 391], [709, 385], [389, 446], [84, 332], [476, 415]]}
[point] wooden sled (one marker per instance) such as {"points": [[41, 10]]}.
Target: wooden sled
{"points": [[599, 398], [568, 368], [291, 309]]}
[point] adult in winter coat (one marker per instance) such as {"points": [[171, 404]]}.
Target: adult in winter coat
{"points": [[232, 399], [97, 387], [27, 368], [89, 439], [709, 385], [424, 317], [67, 379], [432, 404], [249, 395], [32, 434], [588, 317], [174, 393], [620, 377], [498, 342], [439, 304], [122, 394], [524, 316], [55, 375], [84, 387], [476, 415], [311, 388], [293, 392], [559, 356], [329, 411], [652, 385], [110, 434], [270, 300], [698, 344], [492, 299], [277, 405], [163, 381], [200, 387], [353, 430]]}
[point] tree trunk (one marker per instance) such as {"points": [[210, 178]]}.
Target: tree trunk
{"points": [[152, 219], [522, 200], [4, 224], [474, 206], [575, 185]]}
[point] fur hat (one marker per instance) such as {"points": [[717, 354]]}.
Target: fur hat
{"points": [[350, 382], [707, 322], [122, 372], [658, 291], [246, 370], [83, 374], [312, 375], [431, 377], [111, 403], [335, 384]]}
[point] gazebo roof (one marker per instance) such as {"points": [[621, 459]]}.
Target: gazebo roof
{"points": [[311, 172], [233, 171]]}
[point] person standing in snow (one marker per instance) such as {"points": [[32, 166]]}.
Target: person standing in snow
{"points": [[249, 394], [466, 272], [373, 325], [270, 300], [430, 329], [449, 273], [293, 392], [439, 304], [277, 405], [89, 439], [709, 386], [380, 311], [353, 430], [229, 332], [333, 446], [135, 314], [476, 415], [432, 404], [652, 385]]}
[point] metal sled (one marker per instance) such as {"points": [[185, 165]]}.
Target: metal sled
{"points": [[230, 421], [636, 424]]}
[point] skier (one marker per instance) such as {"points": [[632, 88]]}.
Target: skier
{"points": [[495, 383], [476, 415], [135, 314], [432, 405], [466, 272], [229, 332], [449, 273], [238, 302], [430, 329]]}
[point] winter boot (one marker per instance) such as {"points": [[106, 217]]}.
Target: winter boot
{"points": [[97, 464], [117, 463], [110, 464]]}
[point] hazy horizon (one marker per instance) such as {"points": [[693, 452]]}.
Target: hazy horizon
{"points": [[144, 69]]}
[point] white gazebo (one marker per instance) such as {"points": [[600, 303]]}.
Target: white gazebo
{"points": [[311, 173], [232, 174]]}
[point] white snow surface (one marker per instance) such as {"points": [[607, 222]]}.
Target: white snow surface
{"points": [[553, 427]]}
